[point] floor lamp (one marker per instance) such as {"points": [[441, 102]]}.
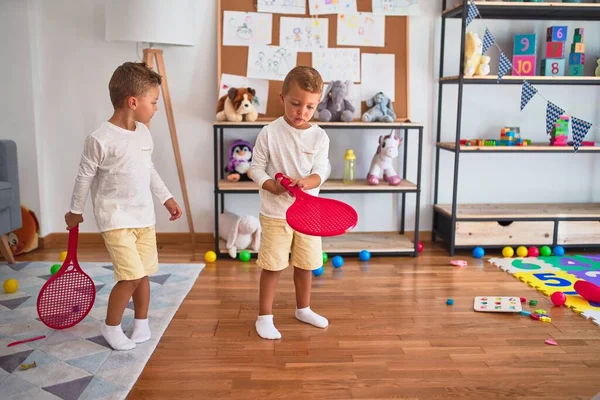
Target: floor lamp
{"points": [[156, 21]]}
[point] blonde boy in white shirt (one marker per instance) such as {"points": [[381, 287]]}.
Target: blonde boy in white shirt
{"points": [[116, 165], [299, 150]]}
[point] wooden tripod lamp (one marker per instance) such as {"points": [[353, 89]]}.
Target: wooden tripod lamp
{"points": [[156, 22]]}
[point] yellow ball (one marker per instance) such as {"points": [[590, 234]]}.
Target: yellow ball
{"points": [[63, 256], [508, 251], [11, 285], [210, 256], [522, 251]]}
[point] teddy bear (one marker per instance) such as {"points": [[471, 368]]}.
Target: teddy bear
{"points": [[381, 109], [239, 232], [237, 105], [475, 62], [240, 157], [335, 106], [382, 162]]}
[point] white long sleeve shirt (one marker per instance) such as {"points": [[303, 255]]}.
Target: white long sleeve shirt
{"points": [[297, 153], [117, 165]]}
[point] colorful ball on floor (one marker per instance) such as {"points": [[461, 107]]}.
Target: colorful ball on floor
{"points": [[559, 251], [245, 256], [11, 285], [508, 252], [318, 271], [478, 252], [533, 251], [364, 255], [210, 256], [62, 256], [545, 251], [420, 247], [522, 251], [337, 261], [325, 257], [558, 298], [54, 269]]}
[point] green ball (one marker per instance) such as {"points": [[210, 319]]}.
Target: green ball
{"points": [[54, 269], [245, 255], [545, 251], [325, 257]]}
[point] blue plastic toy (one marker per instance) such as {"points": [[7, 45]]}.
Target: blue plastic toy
{"points": [[364, 255], [337, 261], [318, 271], [559, 251], [478, 252], [450, 302]]}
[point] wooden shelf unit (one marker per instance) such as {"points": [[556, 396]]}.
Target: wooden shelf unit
{"points": [[464, 226], [378, 243]]}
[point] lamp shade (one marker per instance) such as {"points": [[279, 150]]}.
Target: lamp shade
{"points": [[152, 21]]}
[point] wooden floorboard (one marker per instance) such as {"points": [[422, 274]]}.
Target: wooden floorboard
{"points": [[391, 335]]}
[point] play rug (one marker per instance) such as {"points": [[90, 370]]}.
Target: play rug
{"points": [[558, 274], [77, 363]]}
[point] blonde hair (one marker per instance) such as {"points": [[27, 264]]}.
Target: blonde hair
{"points": [[131, 79], [307, 78]]}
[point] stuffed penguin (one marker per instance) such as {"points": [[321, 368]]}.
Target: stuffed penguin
{"points": [[240, 156]]}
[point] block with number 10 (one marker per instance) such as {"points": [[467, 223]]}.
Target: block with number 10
{"points": [[524, 54]]}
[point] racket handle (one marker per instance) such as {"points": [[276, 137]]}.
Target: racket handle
{"points": [[285, 182], [72, 249]]}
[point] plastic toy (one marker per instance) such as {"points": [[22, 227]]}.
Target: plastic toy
{"points": [[245, 255], [508, 252], [559, 251], [450, 302], [533, 251], [525, 313], [475, 62], [364, 255], [337, 261], [523, 299], [560, 133], [420, 247], [551, 342], [349, 167], [381, 109], [382, 162], [478, 252], [318, 271], [558, 298], [335, 105], [240, 232], [588, 291], [577, 55], [62, 256], [545, 251], [522, 251], [210, 256], [54, 269], [325, 257], [10, 285], [533, 302], [458, 263]]}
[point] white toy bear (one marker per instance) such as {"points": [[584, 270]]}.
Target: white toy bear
{"points": [[382, 162], [475, 62], [239, 232]]}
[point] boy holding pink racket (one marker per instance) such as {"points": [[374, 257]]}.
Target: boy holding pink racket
{"points": [[117, 165], [299, 150]]}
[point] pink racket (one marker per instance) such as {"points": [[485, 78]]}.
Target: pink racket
{"points": [[69, 295], [316, 216]]}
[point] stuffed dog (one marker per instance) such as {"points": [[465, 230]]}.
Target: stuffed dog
{"points": [[237, 105], [239, 232]]}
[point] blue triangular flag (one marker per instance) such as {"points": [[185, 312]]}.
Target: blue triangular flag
{"points": [[527, 92], [580, 129], [488, 40], [504, 65], [472, 12], [553, 113]]}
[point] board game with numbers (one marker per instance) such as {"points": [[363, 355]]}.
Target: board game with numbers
{"points": [[497, 304]]}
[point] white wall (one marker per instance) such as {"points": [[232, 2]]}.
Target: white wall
{"points": [[71, 63]]}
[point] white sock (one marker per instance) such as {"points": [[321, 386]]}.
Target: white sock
{"points": [[310, 317], [141, 331], [265, 327], [116, 338]]}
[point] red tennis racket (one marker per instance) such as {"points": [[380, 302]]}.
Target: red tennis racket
{"points": [[316, 216], [69, 295]]}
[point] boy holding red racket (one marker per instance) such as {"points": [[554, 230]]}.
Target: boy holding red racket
{"points": [[299, 150], [117, 165]]}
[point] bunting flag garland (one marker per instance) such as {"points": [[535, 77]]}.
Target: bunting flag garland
{"points": [[580, 129], [553, 113], [504, 66], [472, 12], [488, 40], [527, 92]]}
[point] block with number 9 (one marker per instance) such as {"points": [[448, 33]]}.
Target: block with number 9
{"points": [[525, 45]]}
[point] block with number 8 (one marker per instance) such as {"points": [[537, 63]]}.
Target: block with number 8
{"points": [[553, 67]]}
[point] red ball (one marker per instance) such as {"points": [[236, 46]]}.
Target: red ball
{"points": [[533, 251], [558, 298], [420, 247]]}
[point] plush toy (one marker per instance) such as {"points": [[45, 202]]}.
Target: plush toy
{"points": [[475, 62], [239, 232], [597, 72], [383, 161], [335, 106], [237, 105], [240, 156], [381, 109], [26, 238]]}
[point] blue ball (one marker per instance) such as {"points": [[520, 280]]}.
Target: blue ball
{"points": [[478, 252], [364, 255], [337, 261], [559, 251], [318, 271]]}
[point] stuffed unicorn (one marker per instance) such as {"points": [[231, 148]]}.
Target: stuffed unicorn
{"points": [[382, 161]]}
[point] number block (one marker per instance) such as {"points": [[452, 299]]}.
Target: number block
{"points": [[577, 39], [555, 49], [579, 31], [556, 34], [575, 70], [525, 45], [525, 65], [577, 58], [553, 67], [578, 48]]}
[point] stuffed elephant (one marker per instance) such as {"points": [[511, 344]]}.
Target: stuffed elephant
{"points": [[335, 106], [381, 109], [240, 232]]}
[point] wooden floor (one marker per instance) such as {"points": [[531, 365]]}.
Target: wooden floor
{"points": [[391, 335]]}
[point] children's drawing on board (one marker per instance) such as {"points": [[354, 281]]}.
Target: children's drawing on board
{"points": [[282, 6], [304, 34], [319, 7], [396, 7], [270, 62], [245, 29]]}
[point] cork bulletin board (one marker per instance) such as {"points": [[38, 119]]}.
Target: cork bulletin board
{"points": [[233, 59]]}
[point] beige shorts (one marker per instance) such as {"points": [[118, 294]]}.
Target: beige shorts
{"points": [[133, 252], [277, 240]]}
